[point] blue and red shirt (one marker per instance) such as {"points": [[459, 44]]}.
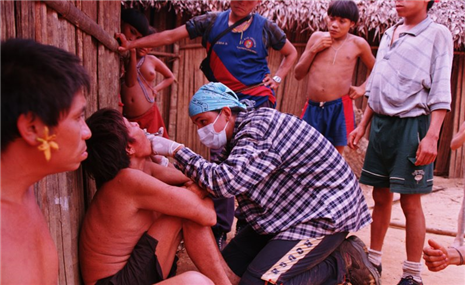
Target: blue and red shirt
{"points": [[238, 59]]}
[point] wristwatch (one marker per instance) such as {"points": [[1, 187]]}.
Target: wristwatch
{"points": [[277, 79]]}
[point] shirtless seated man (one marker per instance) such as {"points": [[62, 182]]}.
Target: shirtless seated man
{"points": [[137, 218]]}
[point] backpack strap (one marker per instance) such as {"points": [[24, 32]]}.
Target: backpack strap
{"points": [[225, 32]]}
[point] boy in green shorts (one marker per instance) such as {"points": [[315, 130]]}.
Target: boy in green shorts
{"points": [[408, 96]]}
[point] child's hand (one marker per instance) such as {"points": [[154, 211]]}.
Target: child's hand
{"points": [[355, 136], [356, 92], [322, 44], [436, 256], [427, 151], [124, 45], [269, 82]]}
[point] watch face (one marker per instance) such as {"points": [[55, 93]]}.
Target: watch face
{"points": [[277, 79]]}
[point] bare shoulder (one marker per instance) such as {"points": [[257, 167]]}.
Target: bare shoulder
{"points": [[133, 181], [129, 176], [359, 41], [153, 58], [318, 34]]}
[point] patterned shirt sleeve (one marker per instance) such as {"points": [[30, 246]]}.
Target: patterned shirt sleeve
{"points": [[199, 25], [250, 161], [289, 181], [274, 36]]}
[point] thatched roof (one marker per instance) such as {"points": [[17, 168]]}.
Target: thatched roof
{"points": [[375, 15]]}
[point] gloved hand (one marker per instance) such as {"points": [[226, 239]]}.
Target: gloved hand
{"points": [[160, 159], [163, 146], [160, 132]]}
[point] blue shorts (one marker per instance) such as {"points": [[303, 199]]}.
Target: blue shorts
{"points": [[390, 156], [259, 259], [333, 119]]}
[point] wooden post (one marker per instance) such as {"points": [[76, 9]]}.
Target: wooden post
{"points": [[83, 22], [172, 119]]}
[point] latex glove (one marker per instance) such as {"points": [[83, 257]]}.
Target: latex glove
{"points": [[160, 159], [163, 146], [160, 132]]}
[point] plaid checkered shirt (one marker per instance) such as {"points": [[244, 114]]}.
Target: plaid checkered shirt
{"points": [[289, 181]]}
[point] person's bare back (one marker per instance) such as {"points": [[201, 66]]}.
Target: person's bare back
{"points": [[102, 253], [122, 210], [25, 234]]}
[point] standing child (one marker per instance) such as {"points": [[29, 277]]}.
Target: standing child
{"points": [[459, 138], [436, 256], [408, 97], [138, 91], [329, 59]]}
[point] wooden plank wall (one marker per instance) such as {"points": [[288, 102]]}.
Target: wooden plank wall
{"points": [[457, 115], [62, 197]]}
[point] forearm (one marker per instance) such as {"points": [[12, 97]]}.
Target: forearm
{"points": [[208, 175], [459, 138], [160, 39], [164, 83], [366, 118], [290, 56], [456, 255], [130, 76], [303, 66], [172, 176], [437, 118]]}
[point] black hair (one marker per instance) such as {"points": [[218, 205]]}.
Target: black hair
{"points": [[430, 4], [37, 79], [107, 146], [136, 19], [344, 9]]}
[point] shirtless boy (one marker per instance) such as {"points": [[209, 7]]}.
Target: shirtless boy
{"points": [[136, 220], [43, 132], [138, 91], [329, 59]]}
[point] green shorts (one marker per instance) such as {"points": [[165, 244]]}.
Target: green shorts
{"points": [[390, 157]]}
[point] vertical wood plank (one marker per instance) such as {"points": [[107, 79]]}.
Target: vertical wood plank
{"points": [[108, 17], [455, 114], [25, 19], [8, 27], [89, 60]]}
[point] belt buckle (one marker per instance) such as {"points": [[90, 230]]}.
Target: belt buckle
{"points": [[322, 104]]}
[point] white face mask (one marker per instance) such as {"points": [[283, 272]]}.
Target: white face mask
{"points": [[212, 139]]}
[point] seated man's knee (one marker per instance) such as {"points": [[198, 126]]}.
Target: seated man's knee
{"points": [[165, 226], [194, 277]]}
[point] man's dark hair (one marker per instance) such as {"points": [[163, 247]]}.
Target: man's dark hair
{"points": [[430, 4], [136, 19], [37, 79], [107, 146], [344, 9]]}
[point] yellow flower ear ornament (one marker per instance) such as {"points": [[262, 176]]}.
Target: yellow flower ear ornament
{"points": [[47, 144]]}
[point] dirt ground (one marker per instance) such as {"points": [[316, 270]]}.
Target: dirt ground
{"points": [[441, 208]]}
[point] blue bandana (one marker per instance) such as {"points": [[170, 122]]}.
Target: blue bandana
{"points": [[213, 96]]}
